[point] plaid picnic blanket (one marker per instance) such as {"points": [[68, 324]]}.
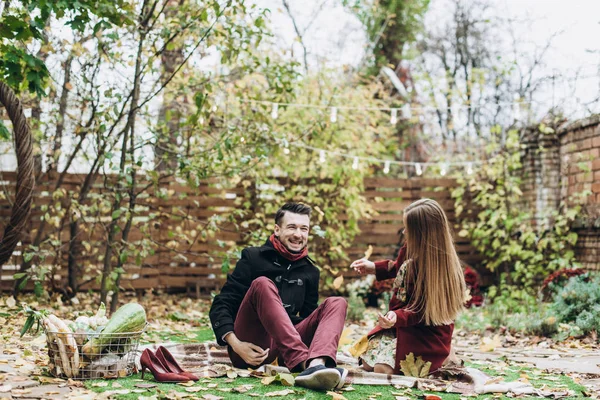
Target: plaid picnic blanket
{"points": [[210, 360]]}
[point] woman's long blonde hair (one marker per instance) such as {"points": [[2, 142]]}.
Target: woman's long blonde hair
{"points": [[436, 275]]}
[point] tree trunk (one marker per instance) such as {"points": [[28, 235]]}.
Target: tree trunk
{"points": [[170, 114], [128, 133]]}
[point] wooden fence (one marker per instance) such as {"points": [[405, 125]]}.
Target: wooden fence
{"points": [[197, 264]]}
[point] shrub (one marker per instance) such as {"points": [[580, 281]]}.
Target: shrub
{"points": [[557, 280], [578, 302], [541, 324], [489, 205]]}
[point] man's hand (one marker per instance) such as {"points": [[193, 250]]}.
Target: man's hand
{"points": [[250, 353], [387, 321], [363, 266]]}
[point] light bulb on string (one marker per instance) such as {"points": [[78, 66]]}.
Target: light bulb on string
{"points": [[286, 146], [275, 111], [386, 168], [443, 169], [470, 168], [333, 115], [394, 116], [322, 156], [418, 169], [355, 163], [516, 108], [406, 113]]}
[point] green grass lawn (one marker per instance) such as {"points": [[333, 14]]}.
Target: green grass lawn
{"points": [[226, 388], [126, 388]]}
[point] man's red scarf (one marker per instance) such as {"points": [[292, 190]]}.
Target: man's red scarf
{"points": [[281, 249]]}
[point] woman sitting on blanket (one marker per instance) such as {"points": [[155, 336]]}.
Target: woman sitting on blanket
{"points": [[428, 293]]}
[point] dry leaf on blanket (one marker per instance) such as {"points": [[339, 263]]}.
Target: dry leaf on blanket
{"points": [[359, 347], [497, 379], [416, 368], [212, 371], [232, 374], [488, 344], [435, 386], [345, 338], [287, 379], [336, 396], [267, 380]]}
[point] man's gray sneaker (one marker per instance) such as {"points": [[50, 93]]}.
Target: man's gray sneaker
{"points": [[319, 377], [343, 374]]}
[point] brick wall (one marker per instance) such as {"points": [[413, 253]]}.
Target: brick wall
{"points": [[558, 165], [580, 170], [540, 173]]}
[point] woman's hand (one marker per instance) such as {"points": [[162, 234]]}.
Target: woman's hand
{"points": [[388, 320], [363, 266]]}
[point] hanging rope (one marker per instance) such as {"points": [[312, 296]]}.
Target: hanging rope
{"points": [[25, 178]]}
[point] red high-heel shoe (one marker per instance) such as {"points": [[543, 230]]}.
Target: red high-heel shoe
{"points": [[167, 359], [149, 361]]}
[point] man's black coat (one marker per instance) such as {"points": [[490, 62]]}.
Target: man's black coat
{"points": [[297, 282]]}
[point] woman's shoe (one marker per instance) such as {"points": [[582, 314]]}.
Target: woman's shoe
{"points": [[167, 359], [149, 361]]}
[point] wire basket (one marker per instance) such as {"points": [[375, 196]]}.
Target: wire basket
{"points": [[111, 357]]}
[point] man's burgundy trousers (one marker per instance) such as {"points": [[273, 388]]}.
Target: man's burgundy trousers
{"points": [[263, 321]]}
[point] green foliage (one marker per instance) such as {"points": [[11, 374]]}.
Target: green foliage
{"points": [[574, 311], [502, 230], [579, 303], [286, 168], [22, 24], [4, 133], [390, 24]]}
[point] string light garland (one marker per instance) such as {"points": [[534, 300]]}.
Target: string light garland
{"points": [[406, 109], [356, 160], [406, 113], [418, 169], [394, 116]]}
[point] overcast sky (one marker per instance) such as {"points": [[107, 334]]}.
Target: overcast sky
{"points": [[336, 36]]}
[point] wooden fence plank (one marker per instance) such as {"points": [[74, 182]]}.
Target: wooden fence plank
{"points": [[177, 264]]}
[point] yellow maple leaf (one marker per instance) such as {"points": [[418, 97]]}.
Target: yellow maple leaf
{"points": [[360, 346], [415, 367]]}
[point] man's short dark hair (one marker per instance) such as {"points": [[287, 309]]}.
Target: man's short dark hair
{"points": [[295, 208]]}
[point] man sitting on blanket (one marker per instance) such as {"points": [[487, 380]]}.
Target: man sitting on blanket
{"points": [[268, 309]]}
